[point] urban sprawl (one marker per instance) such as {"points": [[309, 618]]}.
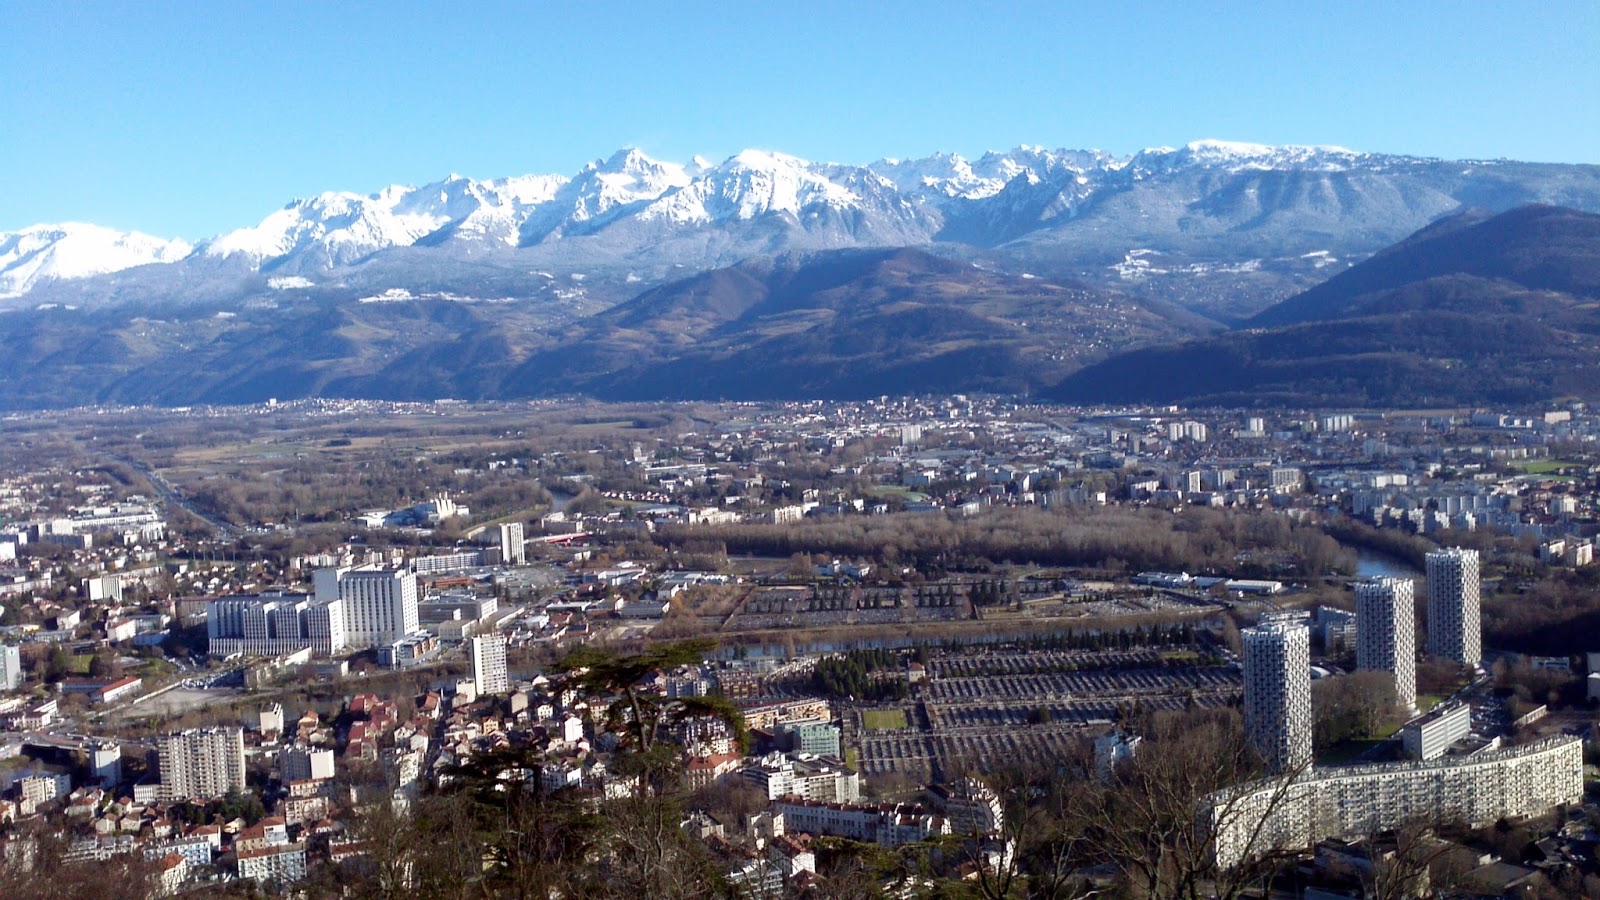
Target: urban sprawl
{"points": [[844, 647]]}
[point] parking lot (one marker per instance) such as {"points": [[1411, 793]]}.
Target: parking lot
{"points": [[983, 710], [1063, 685]]}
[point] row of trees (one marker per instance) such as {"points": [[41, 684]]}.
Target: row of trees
{"points": [[870, 675], [1194, 540]]}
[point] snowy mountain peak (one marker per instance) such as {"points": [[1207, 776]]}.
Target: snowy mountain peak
{"points": [[1241, 155], [1235, 149], [338, 228], [753, 183], [950, 176], [44, 253], [629, 160]]}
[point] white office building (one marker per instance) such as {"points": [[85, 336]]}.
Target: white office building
{"points": [[489, 664], [275, 625], [1277, 693], [1453, 629], [201, 763], [809, 777], [513, 552], [1430, 736], [105, 762], [380, 605], [1386, 633]]}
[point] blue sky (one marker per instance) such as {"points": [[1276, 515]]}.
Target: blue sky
{"points": [[188, 119]]}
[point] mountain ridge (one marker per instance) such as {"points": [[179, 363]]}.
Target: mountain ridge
{"points": [[631, 219], [1473, 309]]}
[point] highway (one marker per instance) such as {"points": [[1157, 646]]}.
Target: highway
{"points": [[171, 497]]}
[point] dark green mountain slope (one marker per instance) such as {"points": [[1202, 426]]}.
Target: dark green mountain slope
{"points": [[1471, 310], [849, 323], [1537, 247], [846, 324]]}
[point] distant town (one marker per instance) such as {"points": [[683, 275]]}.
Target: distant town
{"points": [[924, 646]]}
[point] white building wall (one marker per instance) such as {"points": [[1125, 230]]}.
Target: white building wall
{"points": [[380, 606], [10, 667]]}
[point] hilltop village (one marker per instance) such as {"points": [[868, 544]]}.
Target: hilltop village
{"points": [[905, 645]]}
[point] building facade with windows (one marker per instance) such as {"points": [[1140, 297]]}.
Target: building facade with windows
{"points": [[513, 550], [380, 605], [201, 763], [1454, 632], [1277, 693], [1294, 812], [1386, 633], [275, 625], [489, 664], [10, 667]]}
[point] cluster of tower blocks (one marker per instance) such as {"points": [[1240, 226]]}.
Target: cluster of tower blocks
{"points": [[1277, 653]]}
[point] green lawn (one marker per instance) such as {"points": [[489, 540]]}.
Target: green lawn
{"points": [[1389, 731], [1546, 466], [883, 719]]}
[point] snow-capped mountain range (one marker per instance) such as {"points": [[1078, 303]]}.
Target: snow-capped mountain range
{"points": [[76, 250], [635, 212]]}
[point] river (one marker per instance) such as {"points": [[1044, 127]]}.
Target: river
{"points": [[1370, 564]]}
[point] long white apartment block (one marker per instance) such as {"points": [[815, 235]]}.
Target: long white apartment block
{"points": [[351, 609], [274, 625], [1292, 813]]}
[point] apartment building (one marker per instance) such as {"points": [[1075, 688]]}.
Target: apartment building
{"points": [[1277, 693], [489, 664], [1296, 812], [201, 763], [275, 625], [1386, 633], [1454, 632], [822, 779]]}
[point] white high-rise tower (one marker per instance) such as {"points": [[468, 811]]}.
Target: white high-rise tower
{"points": [[1453, 629], [10, 667], [513, 552], [1386, 633], [1277, 693], [489, 664], [201, 763]]}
